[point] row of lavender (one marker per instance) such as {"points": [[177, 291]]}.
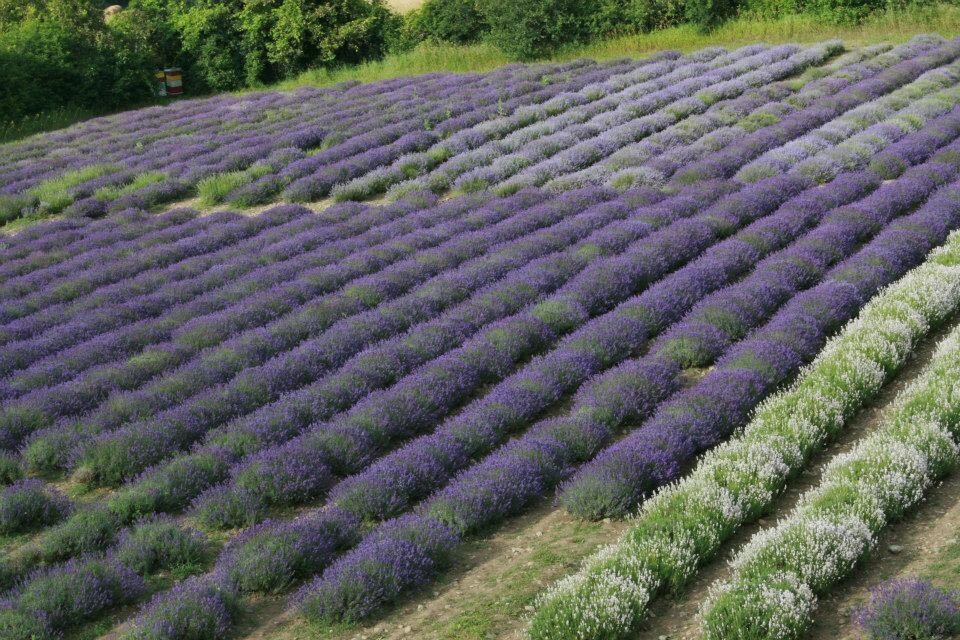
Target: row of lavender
{"points": [[302, 145], [110, 164], [58, 339], [408, 331]]}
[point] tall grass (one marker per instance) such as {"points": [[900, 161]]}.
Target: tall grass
{"points": [[892, 27]]}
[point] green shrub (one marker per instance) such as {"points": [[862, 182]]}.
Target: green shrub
{"points": [[48, 64], [708, 14], [237, 43], [456, 21], [625, 17], [527, 29], [210, 37], [404, 33], [850, 11], [158, 544]]}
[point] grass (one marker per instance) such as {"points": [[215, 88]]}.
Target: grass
{"points": [[47, 121], [893, 27], [945, 569], [504, 595], [61, 117], [139, 181], [53, 194]]}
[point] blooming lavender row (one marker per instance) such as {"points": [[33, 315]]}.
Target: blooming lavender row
{"points": [[592, 492], [382, 418], [565, 126], [687, 139], [369, 577], [373, 491], [101, 312], [50, 600], [686, 523], [269, 105], [282, 419], [322, 240], [131, 301], [163, 171], [379, 228], [329, 168], [872, 141], [63, 239], [836, 523], [659, 169], [192, 344], [348, 443], [912, 49], [117, 241], [726, 162], [198, 153], [185, 477], [524, 394], [823, 139], [660, 446], [201, 235], [414, 547], [524, 124], [672, 105], [265, 559], [263, 109], [313, 178], [441, 283], [512, 163], [552, 274], [655, 159]]}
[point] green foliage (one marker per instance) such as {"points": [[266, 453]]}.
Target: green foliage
{"points": [[627, 17], [60, 54], [527, 29], [215, 189], [456, 21], [161, 544], [237, 43], [708, 14], [210, 41], [849, 11]]}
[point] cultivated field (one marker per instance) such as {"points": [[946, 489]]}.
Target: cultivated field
{"points": [[389, 360]]}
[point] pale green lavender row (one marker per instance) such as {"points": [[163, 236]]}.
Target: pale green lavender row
{"points": [[685, 524], [779, 574]]}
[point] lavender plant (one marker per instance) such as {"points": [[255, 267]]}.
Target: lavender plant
{"points": [[909, 608]]}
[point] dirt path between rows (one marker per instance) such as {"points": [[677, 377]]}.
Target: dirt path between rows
{"points": [[926, 530], [484, 595]]}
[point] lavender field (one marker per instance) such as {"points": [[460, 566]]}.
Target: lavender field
{"points": [[305, 348]]}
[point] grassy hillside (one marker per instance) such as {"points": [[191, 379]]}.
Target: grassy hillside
{"points": [[893, 27]]}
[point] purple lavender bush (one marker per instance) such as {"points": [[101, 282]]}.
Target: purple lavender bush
{"points": [[199, 608], [909, 609], [68, 594], [160, 543], [30, 504]]}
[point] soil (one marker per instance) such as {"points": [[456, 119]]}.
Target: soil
{"points": [[404, 6], [485, 594], [194, 203]]}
